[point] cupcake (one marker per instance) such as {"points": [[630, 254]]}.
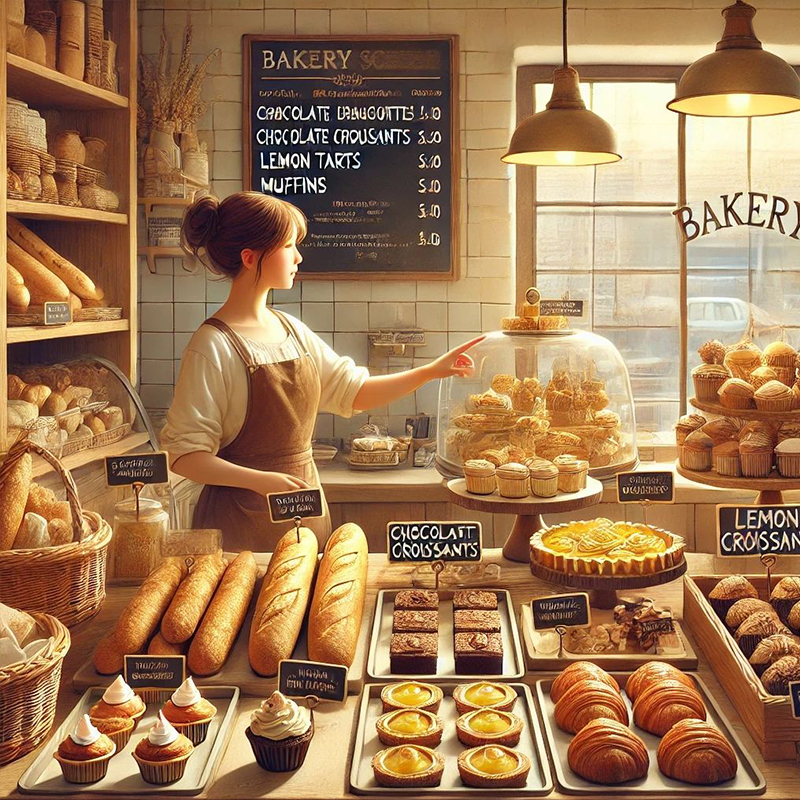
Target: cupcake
{"points": [[726, 461], [571, 473], [722, 430], [118, 729], [773, 396], [707, 380], [742, 609], [280, 733], [712, 352], [189, 713], [778, 676], [163, 753], [118, 701], [786, 375], [785, 594], [762, 375], [695, 454], [756, 455], [769, 650], [544, 477], [764, 428], [780, 354], [512, 480], [479, 476], [743, 361], [736, 393], [755, 628], [686, 424], [796, 396], [84, 755], [787, 430], [787, 454], [728, 591]]}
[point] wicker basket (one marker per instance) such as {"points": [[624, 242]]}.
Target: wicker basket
{"points": [[66, 176], [67, 581], [28, 693]]}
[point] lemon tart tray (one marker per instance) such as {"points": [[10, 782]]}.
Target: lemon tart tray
{"points": [[367, 746]]}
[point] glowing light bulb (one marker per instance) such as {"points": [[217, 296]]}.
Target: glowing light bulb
{"points": [[565, 156], [739, 102]]}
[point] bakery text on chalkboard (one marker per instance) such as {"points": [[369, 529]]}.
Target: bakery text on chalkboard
{"points": [[303, 503], [569, 610], [361, 133], [304, 678], [758, 530], [434, 541], [137, 468], [638, 487], [57, 313], [165, 672]]}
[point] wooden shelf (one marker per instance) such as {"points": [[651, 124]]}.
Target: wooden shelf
{"points": [[129, 443], [745, 413], [34, 210], [47, 88], [152, 253], [36, 333]]}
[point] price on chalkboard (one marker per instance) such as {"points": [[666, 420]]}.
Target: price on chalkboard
{"points": [[164, 672], [638, 487], [304, 678], [561, 308], [758, 530], [305, 503], [138, 468], [567, 610], [57, 313], [434, 541]]}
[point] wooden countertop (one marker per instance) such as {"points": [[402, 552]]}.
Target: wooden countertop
{"points": [[327, 767]]}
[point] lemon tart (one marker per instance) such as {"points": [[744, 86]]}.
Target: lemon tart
{"points": [[488, 726], [411, 694], [484, 694], [409, 726], [408, 766], [603, 547], [493, 767]]}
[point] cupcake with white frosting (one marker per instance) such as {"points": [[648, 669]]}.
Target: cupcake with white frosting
{"points": [[85, 753], [119, 701], [280, 733], [189, 712], [163, 753]]}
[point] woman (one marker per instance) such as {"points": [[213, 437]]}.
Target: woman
{"points": [[253, 379]]}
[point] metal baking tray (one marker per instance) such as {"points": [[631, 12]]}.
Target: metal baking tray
{"points": [[748, 780], [378, 667], [367, 744], [627, 660], [123, 777]]}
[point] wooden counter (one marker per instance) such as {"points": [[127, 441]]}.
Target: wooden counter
{"points": [[326, 770]]}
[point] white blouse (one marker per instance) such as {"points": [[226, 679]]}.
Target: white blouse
{"points": [[210, 401]]}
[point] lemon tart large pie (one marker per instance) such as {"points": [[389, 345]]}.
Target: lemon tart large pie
{"points": [[409, 726], [603, 547], [493, 767], [408, 765]]}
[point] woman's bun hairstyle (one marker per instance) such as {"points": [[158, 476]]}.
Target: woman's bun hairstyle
{"points": [[201, 222]]}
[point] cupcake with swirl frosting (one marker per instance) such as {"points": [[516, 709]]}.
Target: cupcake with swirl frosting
{"points": [[190, 713], [280, 733]]}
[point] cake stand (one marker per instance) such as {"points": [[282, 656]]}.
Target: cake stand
{"points": [[528, 510]]}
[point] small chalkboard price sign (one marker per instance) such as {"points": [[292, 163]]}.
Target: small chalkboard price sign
{"points": [[305, 503], [162, 672], [434, 541], [561, 610], [312, 678], [136, 468], [561, 308], [57, 313], [651, 487], [758, 530], [794, 694]]}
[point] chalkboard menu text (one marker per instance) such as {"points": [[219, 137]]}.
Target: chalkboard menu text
{"points": [[569, 610], [287, 505], [57, 313], [758, 530], [304, 678], [137, 468], [434, 541], [561, 308], [165, 672], [653, 487]]}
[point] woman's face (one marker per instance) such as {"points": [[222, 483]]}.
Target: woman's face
{"points": [[278, 268]]}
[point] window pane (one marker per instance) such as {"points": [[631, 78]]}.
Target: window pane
{"points": [[716, 157], [564, 238], [633, 238], [775, 165], [558, 285], [636, 300]]}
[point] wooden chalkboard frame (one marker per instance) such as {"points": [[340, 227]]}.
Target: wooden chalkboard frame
{"points": [[455, 148]]}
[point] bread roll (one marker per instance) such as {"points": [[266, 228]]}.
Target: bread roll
{"points": [[159, 646], [95, 424], [41, 500], [42, 284], [17, 294], [54, 404], [221, 624], [111, 416], [60, 532], [15, 386], [77, 395], [32, 533], [36, 394], [13, 497], [21, 412], [335, 619], [282, 601], [192, 598]]}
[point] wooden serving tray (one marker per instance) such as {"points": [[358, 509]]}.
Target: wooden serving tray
{"points": [[745, 413]]}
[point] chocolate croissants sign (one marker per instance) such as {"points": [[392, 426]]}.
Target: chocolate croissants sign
{"points": [[434, 541], [758, 530]]}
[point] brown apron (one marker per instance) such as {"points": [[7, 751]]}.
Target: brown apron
{"points": [[282, 404]]}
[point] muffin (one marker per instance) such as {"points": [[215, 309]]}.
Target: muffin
{"points": [[686, 424], [780, 354], [756, 455], [513, 480], [479, 476], [755, 628], [722, 430], [280, 733], [712, 352], [708, 378], [774, 647], [742, 362], [543, 477], [728, 591], [695, 454], [793, 620], [773, 396], [786, 375], [118, 701], [787, 456], [796, 396], [736, 393], [742, 609], [84, 755], [761, 427], [163, 753], [572, 473], [762, 375], [118, 729], [785, 594], [190, 713], [726, 459], [778, 676]]}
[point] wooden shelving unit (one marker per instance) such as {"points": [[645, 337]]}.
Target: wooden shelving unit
{"points": [[99, 242]]}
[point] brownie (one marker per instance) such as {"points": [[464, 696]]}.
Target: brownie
{"points": [[413, 653], [415, 622], [483, 621], [416, 600], [479, 653], [476, 599]]}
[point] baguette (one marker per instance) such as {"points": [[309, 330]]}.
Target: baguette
{"points": [[42, 284], [192, 598], [108, 657], [16, 290], [334, 622], [221, 624], [159, 646], [76, 280], [282, 601], [13, 497]]}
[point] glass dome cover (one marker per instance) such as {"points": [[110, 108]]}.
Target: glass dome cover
{"points": [[539, 393]]}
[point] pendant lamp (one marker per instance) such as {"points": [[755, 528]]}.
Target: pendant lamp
{"points": [[739, 79], [566, 133]]}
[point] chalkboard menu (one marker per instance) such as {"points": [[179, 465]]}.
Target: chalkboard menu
{"points": [[361, 133], [758, 530]]}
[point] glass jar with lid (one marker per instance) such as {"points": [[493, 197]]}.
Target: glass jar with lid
{"points": [[137, 536]]}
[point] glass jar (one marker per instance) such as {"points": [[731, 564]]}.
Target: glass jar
{"points": [[137, 539]]}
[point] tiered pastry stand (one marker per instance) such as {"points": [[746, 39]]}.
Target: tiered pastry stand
{"points": [[528, 511]]}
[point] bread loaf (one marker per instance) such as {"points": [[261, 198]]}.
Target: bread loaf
{"points": [[159, 646], [111, 416], [13, 497], [20, 413], [41, 500], [60, 532], [42, 284], [54, 404], [282, 601], [222, 621], [36, 394], [16, 290], [15, 386], [77, 395], [95, 424], [334, 622], [108, 657], [32, 533], [192, 598]]}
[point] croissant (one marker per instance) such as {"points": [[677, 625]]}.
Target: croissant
{"points": [[695, 752], [577, 672], [654, 672], [661, 705], [607, 752], [586, 701]]}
